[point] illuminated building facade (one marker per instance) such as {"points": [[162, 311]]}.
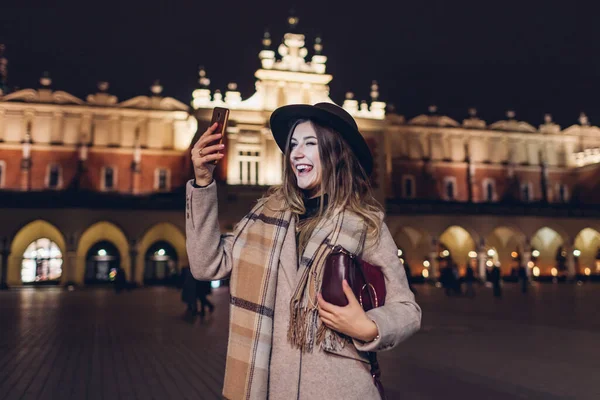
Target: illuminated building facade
{"points": [[88, 185]]}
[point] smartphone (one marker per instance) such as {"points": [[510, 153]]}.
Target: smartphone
{"points": [[220, 116]]}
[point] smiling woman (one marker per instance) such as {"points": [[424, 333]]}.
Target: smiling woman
{"points": [[286, 341], [304, 157]]}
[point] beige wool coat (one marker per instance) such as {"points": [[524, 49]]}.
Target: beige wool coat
{"points": [[292, 374]]}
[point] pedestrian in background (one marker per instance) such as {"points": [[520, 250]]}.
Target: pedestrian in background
{"points": [[469, 281], [189, 294], [203, 289], [523, 279], [496, 278]]}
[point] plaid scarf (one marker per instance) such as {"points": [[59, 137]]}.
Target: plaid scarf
{"points": [[256, 252]]}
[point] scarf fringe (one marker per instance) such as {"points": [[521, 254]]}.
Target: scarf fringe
{"points": [[305, 329]]}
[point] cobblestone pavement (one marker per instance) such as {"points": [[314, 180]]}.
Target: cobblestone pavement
{"points": [[96, 344]]}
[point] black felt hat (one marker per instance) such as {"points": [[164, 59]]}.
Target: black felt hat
{"points": [[327, 114]]}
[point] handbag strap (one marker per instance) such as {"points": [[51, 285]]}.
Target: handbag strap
{"points": [[375, 369], [376, 373]]}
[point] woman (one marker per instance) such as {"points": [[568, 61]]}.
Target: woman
{"points": [[285, 341]]}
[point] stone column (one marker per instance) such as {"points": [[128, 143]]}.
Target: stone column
{"points": [[481, 259], [433, 261], [70, 268], [133, 255], [70, 261], [571, 272], [4, 253], [526, 259]]}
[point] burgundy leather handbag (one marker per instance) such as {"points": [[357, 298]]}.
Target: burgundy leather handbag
{"points": [[368, 284]]}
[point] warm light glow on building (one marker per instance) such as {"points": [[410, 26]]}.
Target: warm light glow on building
{"points": [[536, 271], [514, 254], [535, 253], [587, 271], [530, 264], [491, 252], [426, 264], [402, 260], [473, 254], [586, 157], [425, 273], [489, 263], [445, 253], [554, 272]]}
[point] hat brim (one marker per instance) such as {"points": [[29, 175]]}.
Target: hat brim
{"points": [[284, 117]]}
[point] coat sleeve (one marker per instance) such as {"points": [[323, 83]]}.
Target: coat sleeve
{"points": [[209, 251], [400, 317]]}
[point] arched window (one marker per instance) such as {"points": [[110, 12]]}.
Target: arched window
{"points": [[53, 180], [563, 193], [101, 263], [160, 264], [526, 192], [42, 262], [109, 178], [161, 179], [489, 189], [450, 188], [408, 187]]}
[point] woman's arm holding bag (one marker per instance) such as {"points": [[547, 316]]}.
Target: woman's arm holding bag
{"points": [[400, 317]]}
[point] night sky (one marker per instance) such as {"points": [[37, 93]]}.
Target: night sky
{"points": [[531, 56]]}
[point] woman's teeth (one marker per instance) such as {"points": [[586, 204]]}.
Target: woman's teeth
{"points": [[303, 169]]}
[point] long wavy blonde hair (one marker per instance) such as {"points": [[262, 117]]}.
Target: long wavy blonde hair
{"points": [[344, 181]]}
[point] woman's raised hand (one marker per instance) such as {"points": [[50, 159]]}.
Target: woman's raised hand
{"points": [[205, 153]]}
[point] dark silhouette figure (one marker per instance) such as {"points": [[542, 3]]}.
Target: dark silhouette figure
{"points": [[456, 284], [409, 278], [523, 279], [469, 281], [446, 279], [120, 280], [203, 289], [495, 278], [189, 293]]}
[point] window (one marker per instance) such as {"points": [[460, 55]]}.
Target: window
{"points": [[526, 192], [489, 190], [2, 173], [249, 167], [109, 181], [54, 176], [408, 187], [563, 193], [42, 261], [109, 178], [449, 188], [162, 181]]}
